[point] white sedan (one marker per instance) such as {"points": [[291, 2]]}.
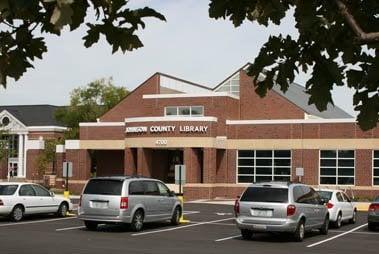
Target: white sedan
{"points": [[19, 199], [340, 206]]}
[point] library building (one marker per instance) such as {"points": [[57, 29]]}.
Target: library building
{"points": [[226, 137]]}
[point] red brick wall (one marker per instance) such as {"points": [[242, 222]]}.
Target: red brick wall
{"points": [[3, 168], [31, 165], [209, 165], [193, 159], [272, 106], [81, 163], [101, 133], [130, 161], [45, 134], [363, 167], [144, 162], [109, 162]]}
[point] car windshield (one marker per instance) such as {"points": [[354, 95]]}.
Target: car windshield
{"points": [[7, 190], [325, 195], [265, 194], [104, 187]]}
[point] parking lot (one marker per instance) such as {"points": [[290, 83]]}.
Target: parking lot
{"points": [[211, 230]]}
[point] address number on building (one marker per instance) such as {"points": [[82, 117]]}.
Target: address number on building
{"points": [[161, 142]]}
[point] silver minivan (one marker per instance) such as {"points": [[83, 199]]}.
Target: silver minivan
{"points": [[280, 207], [127, 199]]}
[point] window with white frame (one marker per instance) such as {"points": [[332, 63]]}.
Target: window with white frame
{"points": [[337, 167], [231, 86], [184, 111], [375, 169], [263, 165]]}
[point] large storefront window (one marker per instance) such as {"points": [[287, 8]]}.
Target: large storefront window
{"points": [[263, 165], [337, 167], [184, 111], [375, 170]]}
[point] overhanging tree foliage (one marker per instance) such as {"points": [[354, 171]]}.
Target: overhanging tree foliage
{"points": [[338, 41], [24, 23], [88, 103]]}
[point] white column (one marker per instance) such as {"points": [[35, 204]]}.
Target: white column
{"points": [[20, 167], [25, 154]]}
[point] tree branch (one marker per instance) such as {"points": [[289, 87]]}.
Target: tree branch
{"points": [[363, 37]]}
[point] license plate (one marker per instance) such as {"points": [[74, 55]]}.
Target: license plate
{"points": [[261, 213], [261, 227], [99, 205]]}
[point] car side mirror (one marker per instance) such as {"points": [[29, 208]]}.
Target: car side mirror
{"points": [[171, 194], [323, 201], [52, 194]]}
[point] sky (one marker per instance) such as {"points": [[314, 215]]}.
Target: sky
{"points": [[189, 45]]}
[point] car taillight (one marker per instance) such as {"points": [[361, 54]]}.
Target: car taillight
{"points": [[291, 209], [124, 203], [1, 202], [237, 207], [80, 200], [373, 207], [329, 205]]}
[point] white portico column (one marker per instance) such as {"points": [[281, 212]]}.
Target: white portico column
{"points": [[20, 168]]}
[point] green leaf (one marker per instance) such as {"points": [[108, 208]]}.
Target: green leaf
{"points": [[62, 15]]}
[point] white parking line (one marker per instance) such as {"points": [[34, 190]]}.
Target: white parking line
{"points": [[176, 228], [363, 233], [334, 237], [34, 222], [227, 238], [64, 229]]}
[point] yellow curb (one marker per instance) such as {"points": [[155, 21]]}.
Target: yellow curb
{"points": [[184, 221], [362, 207]]}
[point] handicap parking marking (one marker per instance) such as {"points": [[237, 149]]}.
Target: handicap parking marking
{"points": [[35, 222], [227, 238], [181, 227], [337, 236]]}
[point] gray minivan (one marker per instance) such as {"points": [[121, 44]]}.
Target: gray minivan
{"points": [[127, 199], [280, 207]]}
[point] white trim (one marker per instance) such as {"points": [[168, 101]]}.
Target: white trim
{"points": [[60, 149], [101, 124], [188, 95], [73, 144], [35, 144], [171, 119], [46, 128], [290, 121]]}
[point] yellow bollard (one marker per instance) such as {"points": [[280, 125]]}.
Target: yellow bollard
{"points": [[182, 220], [66, 194]]}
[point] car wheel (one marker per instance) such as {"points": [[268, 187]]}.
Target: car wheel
{"points": [[354, 218], [175, 219], [17, 213], [325, 227], [62, 210], [137, 221], [246, 234], [338, 222], [91, 225], [300, 232], [371, 226]]}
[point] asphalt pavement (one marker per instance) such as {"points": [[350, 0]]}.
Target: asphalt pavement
{"points": [[211, 230]]}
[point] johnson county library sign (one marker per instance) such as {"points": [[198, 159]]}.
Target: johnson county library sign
{"points": [[167, 129]]}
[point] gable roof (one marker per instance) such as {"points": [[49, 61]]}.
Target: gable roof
{"points": [[34, 115], [297, 95]]}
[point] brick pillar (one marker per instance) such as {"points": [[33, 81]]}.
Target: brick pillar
{"points": [[231, 166], [209, 165], [363, 167], [222, 166], [144, 162], [130, 161], [59, 159], [81, 163], [192, 160]]}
